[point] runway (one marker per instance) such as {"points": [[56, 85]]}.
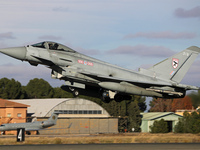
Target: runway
{"points": [[135, 146]]}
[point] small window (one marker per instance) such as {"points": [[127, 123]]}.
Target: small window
{"points": [[19, 115], [9, 115]]}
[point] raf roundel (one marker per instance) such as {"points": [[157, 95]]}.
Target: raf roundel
{"points": [[175, 63]]}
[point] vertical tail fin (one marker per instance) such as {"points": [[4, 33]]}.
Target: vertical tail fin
{"points": [[174, 68], [53, 118]]}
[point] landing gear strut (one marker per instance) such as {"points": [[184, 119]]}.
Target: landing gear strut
{"points": [[74, 91], [105, 97]]}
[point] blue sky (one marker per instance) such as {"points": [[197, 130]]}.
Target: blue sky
{"points": [[128, 33]]}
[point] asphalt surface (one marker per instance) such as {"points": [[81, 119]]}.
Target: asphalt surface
{"points": [[175, 146]]}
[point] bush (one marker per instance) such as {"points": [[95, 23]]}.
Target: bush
{"points": [[159, 126], [190, 123]]}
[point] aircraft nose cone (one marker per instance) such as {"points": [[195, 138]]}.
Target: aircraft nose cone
{"points": [[16, 52]]}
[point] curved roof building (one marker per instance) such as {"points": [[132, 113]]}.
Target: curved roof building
{"points": [[67, 107]]}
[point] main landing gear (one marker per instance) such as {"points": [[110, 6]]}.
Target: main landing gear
{"points": [[107, 96], [74, 91]]}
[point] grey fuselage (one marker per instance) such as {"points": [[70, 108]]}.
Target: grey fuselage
{"points": [[31, 126], [86, 73]]}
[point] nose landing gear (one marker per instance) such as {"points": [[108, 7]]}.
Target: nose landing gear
{"points": [[74, 91]]}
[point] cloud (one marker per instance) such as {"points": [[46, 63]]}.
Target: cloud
{"points": [[142, 50], [87, 51], [162, 35], [6, 35], [2, 45], [60, 9], [193, 75], [192, 13], [50, 37]]}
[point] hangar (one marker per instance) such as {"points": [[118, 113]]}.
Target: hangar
{"points": [[148, 119], [77, 116]]}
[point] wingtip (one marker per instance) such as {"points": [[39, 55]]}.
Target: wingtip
{"points": [[194, 48]]}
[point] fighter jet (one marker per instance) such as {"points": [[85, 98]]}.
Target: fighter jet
{"points": [[89, 76], [31, 126]]}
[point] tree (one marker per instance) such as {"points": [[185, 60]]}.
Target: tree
{"points": [[128, 111], [141, 102], [60, 93], [134, 118], [195, 99], [170, 105], [39, 88], [190, 123], [159, 126], [161, 105], [10, 89], [114, 108], [182, 104]]}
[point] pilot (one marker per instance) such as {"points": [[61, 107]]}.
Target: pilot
{"points": [[50, 46], [55, 46]]}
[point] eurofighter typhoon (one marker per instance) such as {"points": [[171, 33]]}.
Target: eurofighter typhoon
{"points": [[89, 76]]}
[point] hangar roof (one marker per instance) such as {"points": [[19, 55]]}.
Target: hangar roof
{"points": [[156, 115], [44, 107]]}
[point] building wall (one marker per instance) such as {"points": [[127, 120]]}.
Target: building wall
{"points": [[11, 115], [83, 126], [145, 126], [2, 115]]}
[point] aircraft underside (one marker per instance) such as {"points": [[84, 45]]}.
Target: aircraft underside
{"points": [[108, 91]]}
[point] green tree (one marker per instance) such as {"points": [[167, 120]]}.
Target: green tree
{"points": [[195, 96], [10, 89], [159, 126], [59, 93], [128, 111], [141, 102], [113, 108], [39, 88], [190, 123], [134, 118]]}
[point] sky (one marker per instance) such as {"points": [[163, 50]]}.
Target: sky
{"points": [[128, 33]]}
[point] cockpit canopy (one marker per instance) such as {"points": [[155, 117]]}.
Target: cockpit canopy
{"points": [[53, 46]]}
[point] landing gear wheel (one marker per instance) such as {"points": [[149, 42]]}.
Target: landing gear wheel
{"points": [[28, 132], [118, 98], [75, 93]]}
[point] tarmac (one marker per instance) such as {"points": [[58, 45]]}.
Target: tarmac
{"points": [[135, 146]]}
